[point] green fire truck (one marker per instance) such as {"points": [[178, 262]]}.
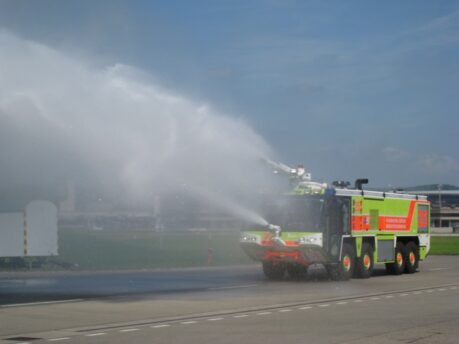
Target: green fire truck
{"points": [[348, 230]]}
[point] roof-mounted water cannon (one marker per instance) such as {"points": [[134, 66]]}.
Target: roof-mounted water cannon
{"points": [[279, 167], [299, 177], [299, 172]]}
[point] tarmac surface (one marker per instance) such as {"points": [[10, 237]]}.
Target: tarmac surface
{"points": [[227, 305]]}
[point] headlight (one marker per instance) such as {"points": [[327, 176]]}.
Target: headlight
{"points": [[249, 238]]}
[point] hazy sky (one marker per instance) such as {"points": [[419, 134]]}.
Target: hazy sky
{"points": [[349, 88]]}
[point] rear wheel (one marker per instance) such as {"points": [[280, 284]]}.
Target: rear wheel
{"points": [[364, 264], [411, 257], [274, 271], [397, 267]]}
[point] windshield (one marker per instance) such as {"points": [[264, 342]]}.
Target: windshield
{"points": [[294, 213]]}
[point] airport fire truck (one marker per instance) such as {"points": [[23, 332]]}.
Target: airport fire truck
{"points": [[348, 230]]}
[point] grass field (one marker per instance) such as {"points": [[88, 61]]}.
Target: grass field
{"points": [[444, 245], [146, 249], [95, 250], [90, 249]]}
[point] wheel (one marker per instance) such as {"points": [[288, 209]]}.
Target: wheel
{"points": [[345, 268], [296, 271], [364, 264], [274, 271], [347, 262], [411, 257], [397, 267]]}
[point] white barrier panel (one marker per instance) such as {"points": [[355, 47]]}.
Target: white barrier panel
{"points": [[11, 234], [41, 228]]}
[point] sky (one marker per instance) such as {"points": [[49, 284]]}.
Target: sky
{"points": [[350, 89]]}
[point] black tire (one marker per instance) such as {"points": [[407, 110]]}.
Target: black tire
{"points": [[274, 271], [296, 271], [344, 269], [411, 257], [364, 264], [398, 266]]}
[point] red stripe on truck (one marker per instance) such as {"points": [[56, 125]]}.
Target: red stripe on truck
{"points": [[386, 223]]}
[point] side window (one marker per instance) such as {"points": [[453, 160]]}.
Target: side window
{"points": [[423, 218], [345, 216], [338, 216]]}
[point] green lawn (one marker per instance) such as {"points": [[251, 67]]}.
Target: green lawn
{"points": [[444, 245], [90, 249], [93, 250], [146, 249]]}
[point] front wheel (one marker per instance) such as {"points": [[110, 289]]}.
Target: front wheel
{"points": [[296, 271], [345, 268], [274, 271]]}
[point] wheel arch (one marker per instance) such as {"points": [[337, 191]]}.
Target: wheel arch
{"points": [[406, 239], [346, 239], [358, 242]]}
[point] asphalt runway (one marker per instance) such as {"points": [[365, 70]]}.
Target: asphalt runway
{"points": [[40, 287], [227, 305]]}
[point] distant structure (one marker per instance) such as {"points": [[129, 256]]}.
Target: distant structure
{"points": [[445, 204], [68, 205], [29, 232]]}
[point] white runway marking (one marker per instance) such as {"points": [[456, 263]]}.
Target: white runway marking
{"points": [[96, 334], [273, 310], [189, 322], [439, 269], [58, 339]]}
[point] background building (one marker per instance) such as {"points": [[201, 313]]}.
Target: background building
{"points": [[445, 204]]}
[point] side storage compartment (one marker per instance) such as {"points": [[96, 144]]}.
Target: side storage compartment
{"points": [[386, 249]]}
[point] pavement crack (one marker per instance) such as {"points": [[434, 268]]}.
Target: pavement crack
{"points": [[417, 339]]}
